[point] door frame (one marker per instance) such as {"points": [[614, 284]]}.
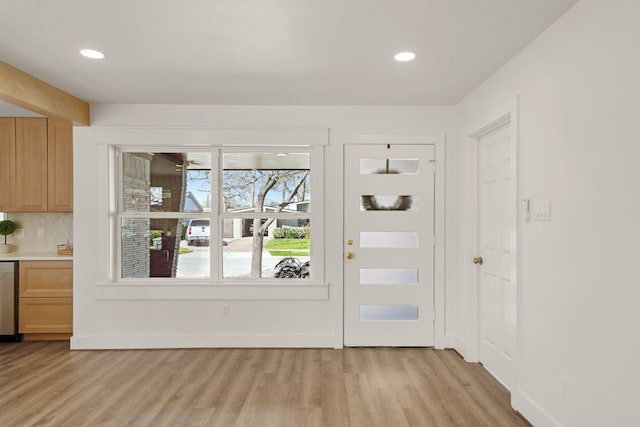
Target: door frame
{"points": [[511, 117], [439, 143]]}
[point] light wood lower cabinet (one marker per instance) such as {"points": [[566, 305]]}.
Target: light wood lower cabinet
{"points": [[46, 300]]}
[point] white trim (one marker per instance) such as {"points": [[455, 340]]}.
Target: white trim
{"points": [[316, 216], [439, 286], [533, 412], [267, 214], [114, 342], [407, 138], [450, 341], [206, 290], [518, 360], [496, 124], [207, 136]]}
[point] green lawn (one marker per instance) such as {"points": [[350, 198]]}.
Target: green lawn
{"points": [[287, 244], [289, 253], [288, 247]]}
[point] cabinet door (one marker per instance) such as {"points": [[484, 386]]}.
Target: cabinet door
{"points": [[31, 160], [60, 166], [46, 279], [7, 164], [45, 315]]}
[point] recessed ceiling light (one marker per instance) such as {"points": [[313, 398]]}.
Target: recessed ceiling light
{"points": [[405, 56], [91, 53]]}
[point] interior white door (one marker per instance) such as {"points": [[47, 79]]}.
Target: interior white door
{"points": [[497, 242], [389, 233]]}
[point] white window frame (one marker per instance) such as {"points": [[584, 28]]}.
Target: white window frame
{"points": [[216, 287]]}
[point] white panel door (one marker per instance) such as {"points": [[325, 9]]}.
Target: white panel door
{"points": [[389, 245], [497, 236]]}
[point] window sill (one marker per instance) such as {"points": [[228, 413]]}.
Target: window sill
{"points": [[148, 290]]}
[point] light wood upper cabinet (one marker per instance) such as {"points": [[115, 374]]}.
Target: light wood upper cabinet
{"points": [[31, 165], [60, 166], [7, 163], [36, 165]]}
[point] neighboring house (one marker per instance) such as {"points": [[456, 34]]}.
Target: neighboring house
{"points": [[191, 203], [235, 228]]}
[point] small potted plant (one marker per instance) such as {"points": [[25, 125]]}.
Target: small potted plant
{"points": [[7, 227]]}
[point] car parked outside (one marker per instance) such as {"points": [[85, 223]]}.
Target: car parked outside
{"points": [[198, 232]]}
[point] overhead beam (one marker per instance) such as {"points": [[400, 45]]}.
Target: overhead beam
{"points": [[26, 91]]}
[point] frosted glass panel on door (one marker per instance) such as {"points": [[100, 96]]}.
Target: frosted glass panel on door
{"points": [[388, 276], [388, 239], [388, 312], [394, 166]]}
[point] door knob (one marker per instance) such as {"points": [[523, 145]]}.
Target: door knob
{"points": [[478, 260], [350, 255]]}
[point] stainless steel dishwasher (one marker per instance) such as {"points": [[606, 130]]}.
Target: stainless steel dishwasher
{"points": [[9, 301]]}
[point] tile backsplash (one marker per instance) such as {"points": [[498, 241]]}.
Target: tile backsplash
{"points": [[57, 228]]}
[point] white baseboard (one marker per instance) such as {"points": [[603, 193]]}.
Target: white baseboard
{"points": [[113, 342], [533, 412], [450, 341], [462, 349]]}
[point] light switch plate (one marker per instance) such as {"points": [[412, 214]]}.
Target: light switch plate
{"points": [[542, 211]]}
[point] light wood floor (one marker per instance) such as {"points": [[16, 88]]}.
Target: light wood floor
{"points": [[45, 384]]}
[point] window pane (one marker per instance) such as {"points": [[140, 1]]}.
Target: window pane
{"points": [[159, 248], [166, 182], [280, 248], [388, 203], [392, 166], [388, 276], [266, 182], [388, 312], [385, 239]]}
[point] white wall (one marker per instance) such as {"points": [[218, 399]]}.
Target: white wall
{"points": [[102, 322], [579, 147]]}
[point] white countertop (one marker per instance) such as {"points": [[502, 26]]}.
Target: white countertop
{"points": [[35, 256]]}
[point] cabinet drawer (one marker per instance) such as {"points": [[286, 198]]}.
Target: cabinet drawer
{"points": [[46, 315], [46, 279]]}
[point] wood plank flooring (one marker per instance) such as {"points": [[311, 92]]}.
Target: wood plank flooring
{"points": [[45, 384]]}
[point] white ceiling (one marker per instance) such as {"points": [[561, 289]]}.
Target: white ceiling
{"points": [[291, 52]]}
